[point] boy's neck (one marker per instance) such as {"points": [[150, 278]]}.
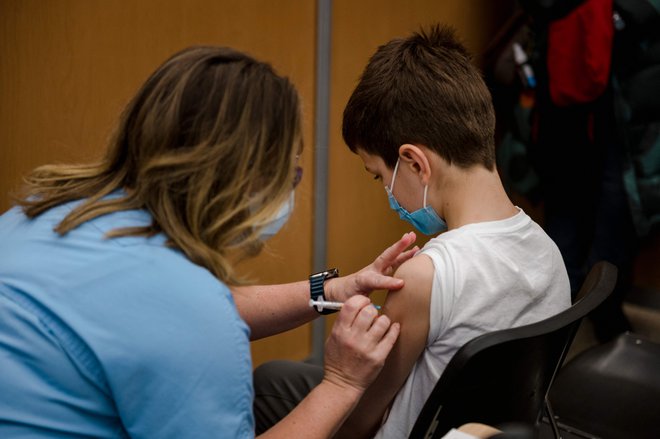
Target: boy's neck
{"points": [[472, 195]]}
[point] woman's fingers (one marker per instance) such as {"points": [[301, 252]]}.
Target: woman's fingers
{"points": [[386, 343], [359, 343], [365, 317], [390, 255], [403, 257], [351, 310]]}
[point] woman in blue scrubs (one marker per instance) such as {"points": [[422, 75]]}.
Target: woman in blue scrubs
{"points": [[117, 318]]}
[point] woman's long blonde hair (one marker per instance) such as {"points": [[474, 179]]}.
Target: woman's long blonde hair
{"points": [[206, 146]]}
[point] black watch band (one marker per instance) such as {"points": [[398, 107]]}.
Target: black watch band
{"points": [[316, 287]]}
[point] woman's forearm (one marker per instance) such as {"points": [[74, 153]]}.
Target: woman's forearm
{"points": [[272, 309], [319, 415]]}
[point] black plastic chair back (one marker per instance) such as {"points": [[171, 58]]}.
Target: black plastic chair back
{"points": [[504, 376], [611, 390]]}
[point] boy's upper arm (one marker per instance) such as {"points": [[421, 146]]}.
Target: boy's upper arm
{"points": [[409, 307]]}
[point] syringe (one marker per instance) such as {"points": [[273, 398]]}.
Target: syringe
{"points": [[323, 304]]}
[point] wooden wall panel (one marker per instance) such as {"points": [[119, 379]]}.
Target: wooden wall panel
{"points": [[67, 67]]}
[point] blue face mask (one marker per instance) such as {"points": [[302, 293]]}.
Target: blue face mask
{"points": [[278, 221], [426, 220]]}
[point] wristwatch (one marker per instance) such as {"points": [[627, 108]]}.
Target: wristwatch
{"points": [[316, 287]]}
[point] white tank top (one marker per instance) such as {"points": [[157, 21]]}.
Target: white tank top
{"points": [[488, 276]]}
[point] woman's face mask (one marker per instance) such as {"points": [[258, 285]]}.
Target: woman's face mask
{"points": [[275, 225], [278, 221]]}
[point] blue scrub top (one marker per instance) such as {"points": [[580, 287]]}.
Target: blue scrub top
{"points": [[114, 338]]}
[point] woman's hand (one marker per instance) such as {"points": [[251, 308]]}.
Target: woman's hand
{"points": [[354, 355], [375, 276], [357, 347]]}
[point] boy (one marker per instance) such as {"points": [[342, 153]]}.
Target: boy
{"points": [[422, 121]]}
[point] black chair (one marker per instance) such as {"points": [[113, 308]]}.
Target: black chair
{"points": [[611, 390], [504, 376]]}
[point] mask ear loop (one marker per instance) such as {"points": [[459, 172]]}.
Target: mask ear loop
{"points": [[426, 189], [394, 177]]}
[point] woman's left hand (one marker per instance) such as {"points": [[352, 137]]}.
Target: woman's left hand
{"points": [[375, 276], [358, 345]]}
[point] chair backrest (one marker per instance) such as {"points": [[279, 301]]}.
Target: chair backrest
{"points": [[611, 390], [504, 376]]}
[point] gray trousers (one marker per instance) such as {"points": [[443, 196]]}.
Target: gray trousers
{"points": [[279, 386]]}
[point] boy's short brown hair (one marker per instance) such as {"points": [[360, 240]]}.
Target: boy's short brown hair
{"points": [[422, 90]]}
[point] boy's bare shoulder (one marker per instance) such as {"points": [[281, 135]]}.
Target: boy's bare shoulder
{"points": [[418, 269], [414, 297]]}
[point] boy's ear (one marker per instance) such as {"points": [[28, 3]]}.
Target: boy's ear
{"points": [[415, 157]]}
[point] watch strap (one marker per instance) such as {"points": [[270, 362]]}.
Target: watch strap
{"points": [[317, 287]]}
